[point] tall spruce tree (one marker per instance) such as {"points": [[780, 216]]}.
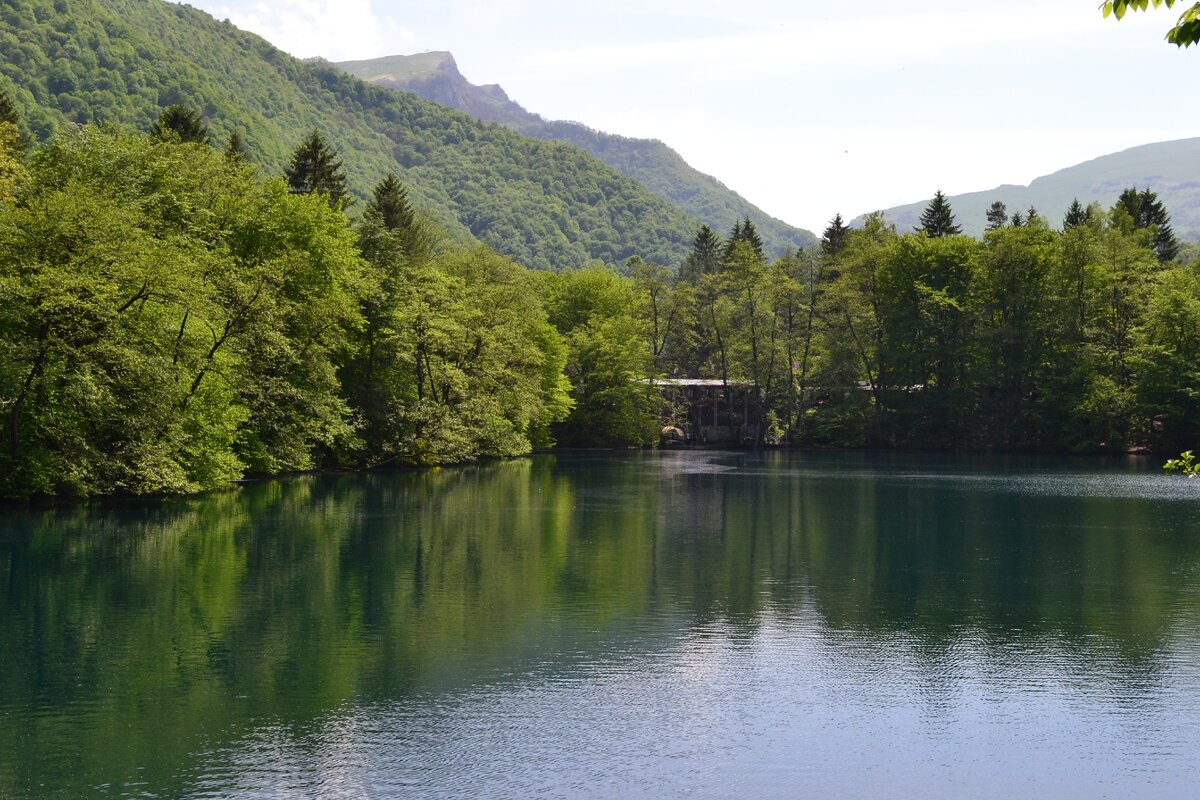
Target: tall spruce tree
{"points": [[316, 168], [1147, 211], [833, 240], [1076, 215], [750, 236], [389, 204], [178, 123], [705, 257], [236, 149], [743, 231], [938, 218], [1018, 220], [390, 208], [735, 236], [997, 216]]}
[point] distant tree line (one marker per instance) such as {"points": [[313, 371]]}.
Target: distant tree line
{"points": [[1080, 339]]}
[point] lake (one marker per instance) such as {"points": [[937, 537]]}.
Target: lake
{"points": [[645, 625]]}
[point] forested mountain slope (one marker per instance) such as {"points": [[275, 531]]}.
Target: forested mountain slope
{"points": [[1169, 169], [435, 77], [547, 204]]}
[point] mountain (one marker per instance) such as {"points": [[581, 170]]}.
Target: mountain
{"points": [[1171, 169], [548, 204], [435, 76]]}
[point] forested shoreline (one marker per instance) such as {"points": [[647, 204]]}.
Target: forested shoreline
{"points": [[173, 319]]}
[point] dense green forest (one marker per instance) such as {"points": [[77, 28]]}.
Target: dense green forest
{"points": [[174, 318], [435, 77], [547, 204], [1084, 339]]}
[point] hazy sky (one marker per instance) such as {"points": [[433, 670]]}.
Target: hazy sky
{"points": [[805, 108]]}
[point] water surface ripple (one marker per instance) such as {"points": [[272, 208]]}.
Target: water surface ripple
{"points": [[635, 625]]}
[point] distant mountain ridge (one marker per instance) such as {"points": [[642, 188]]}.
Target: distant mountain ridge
{"points": [[1171, 169], [547, 204], [435, 76]]}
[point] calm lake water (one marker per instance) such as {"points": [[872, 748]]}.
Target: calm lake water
{"points": [[632, 625]]}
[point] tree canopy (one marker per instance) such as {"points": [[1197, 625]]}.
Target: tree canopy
{"points": [[1187, 28]]}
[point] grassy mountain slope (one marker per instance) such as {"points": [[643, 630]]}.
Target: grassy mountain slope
{"points": [[547, 204], [435, 76], [1172, 169]]}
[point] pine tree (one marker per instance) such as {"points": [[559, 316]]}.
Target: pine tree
{"points": [[1033, 219], [1076, 215], [316, 168], [938, 219], [178, 123], [236, 149], [705, 256], [997, 216], [1018, 221], [833, 240]]}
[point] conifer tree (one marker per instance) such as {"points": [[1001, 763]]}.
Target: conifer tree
{"points": [[997, 216], [750, 236], [833, 240], [178, 123], [1076, 215], [236, 149], [938, 218], [389, 204], [1033, 219], [315, 167], [735, 236], [1018, 220], [743, 231], [1147, 211], [705, 256]]}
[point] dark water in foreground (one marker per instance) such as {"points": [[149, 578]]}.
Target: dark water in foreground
{"points": [[645, 625]]}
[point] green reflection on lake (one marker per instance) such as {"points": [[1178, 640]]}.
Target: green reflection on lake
{"points": [[137, 635]]}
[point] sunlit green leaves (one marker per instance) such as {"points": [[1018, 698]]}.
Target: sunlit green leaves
{"points": [[1186, 31]]}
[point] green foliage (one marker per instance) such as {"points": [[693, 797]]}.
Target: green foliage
{"points": [[315, 168], [435, 77], [1147, 212], [180, 123], [1076, 215], [171, 321], [1185, 464], [12, 171], [235, 149], [137, 358], [608, 363], [1186, 31], [833, 240], [938, 219], [547, 204], [997, 216]]}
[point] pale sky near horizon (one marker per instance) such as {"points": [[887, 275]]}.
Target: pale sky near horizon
{"points": [[804, 108]]}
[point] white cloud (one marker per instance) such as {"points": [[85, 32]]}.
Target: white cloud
{"points": [[334, 29]]}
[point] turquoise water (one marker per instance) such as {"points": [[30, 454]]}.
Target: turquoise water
{"points": [[614, 625]]}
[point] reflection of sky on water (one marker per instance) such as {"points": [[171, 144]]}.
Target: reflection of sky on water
{"points": [[791, 709]]}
